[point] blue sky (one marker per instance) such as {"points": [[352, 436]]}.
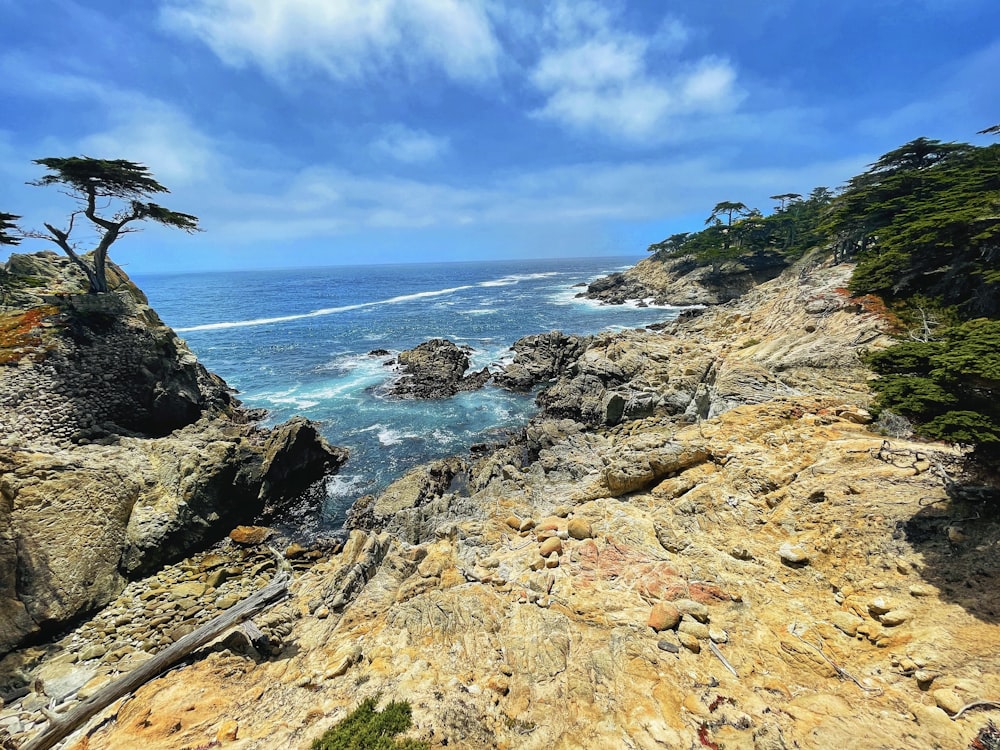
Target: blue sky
{"points": [[318, 132]]}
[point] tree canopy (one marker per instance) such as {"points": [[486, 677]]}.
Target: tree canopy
{"points": [[6, 226], [120, 187]]}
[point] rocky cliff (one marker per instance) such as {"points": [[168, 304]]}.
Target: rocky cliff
{"points": [[681, 282], [742, 562], [119, 451]]}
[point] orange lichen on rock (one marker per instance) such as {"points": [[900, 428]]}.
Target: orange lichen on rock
{"points": [[21, 333]]}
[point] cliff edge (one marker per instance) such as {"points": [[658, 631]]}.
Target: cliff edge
{"points": [[119, 451]]}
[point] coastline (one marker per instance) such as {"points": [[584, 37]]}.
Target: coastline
{"points": [[602, 568]]}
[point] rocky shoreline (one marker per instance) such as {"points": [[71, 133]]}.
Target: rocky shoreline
{"points": [[700, 541]]}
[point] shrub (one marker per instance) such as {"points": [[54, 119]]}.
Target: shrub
{"points": [[367, 728]]}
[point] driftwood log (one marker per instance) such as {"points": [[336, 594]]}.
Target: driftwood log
{"points": [[61, 726]]}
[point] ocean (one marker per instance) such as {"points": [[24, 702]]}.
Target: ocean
{"points": [[298, 342]]}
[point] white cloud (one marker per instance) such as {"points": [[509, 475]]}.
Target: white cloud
{"points": [[346, 39], [157, 135], [597, 77], [409, 146]]}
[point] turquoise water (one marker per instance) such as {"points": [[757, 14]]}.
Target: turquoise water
{"points": [[298, 342]]}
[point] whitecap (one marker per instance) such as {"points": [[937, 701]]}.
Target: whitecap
{"points": [[340, 485], [324, 311]]}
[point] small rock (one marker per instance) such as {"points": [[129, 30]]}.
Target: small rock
{"points": [[846, 622], [879, 605], [921, 589], [741, 553], [514, 522], [669, 646], [93, 651], [295, 550], [694, 609], [227, 731], [924, 678], [956, 534], [948, 700], [552, 561], [189, 589], [690, 642], [664, 616], [894, 617], [250, 535], [550, 545], [694, 628], [717, 635], [855, 414], [580, 529], [227, 601], [793, 554]]}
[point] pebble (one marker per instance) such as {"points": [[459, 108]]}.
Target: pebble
{"points": [[879, 605], [550, 545], [894, 617], [669, 646], [924, 678], [717, 635], [694, 609], [664, 616], [693, 628], [250, 535], [948, 700], [690, 642], [846, 622], [580, 529], [921, 589], [793, 554]]}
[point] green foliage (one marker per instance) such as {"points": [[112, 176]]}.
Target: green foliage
{"points": [[925, 219], [950, 386], [6, 226], [737, 233], [367, 728], [105, 178]]}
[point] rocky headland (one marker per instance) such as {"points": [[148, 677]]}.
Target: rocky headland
{"points": [[119, 451], [683, 282], [700, 541]]}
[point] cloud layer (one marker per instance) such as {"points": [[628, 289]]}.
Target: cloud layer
{"points": [[345, 39]]}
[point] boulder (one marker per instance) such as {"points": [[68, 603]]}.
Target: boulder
{"points": [[435, 369]]}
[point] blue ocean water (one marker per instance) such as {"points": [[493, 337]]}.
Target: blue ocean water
{"points": [[298, 342]]}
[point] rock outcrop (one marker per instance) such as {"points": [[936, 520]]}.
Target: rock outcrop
{"points": [[679, 282], [539, 359], [119, 451], [767, 575], [435, 369]]}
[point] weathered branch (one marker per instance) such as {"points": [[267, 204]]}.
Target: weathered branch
{"points": [[61, 726]]}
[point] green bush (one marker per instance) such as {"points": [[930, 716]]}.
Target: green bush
{"points": [[949, 387], [367, 728]]}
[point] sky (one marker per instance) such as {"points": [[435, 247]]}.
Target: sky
{"points": [[321, 132]]}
